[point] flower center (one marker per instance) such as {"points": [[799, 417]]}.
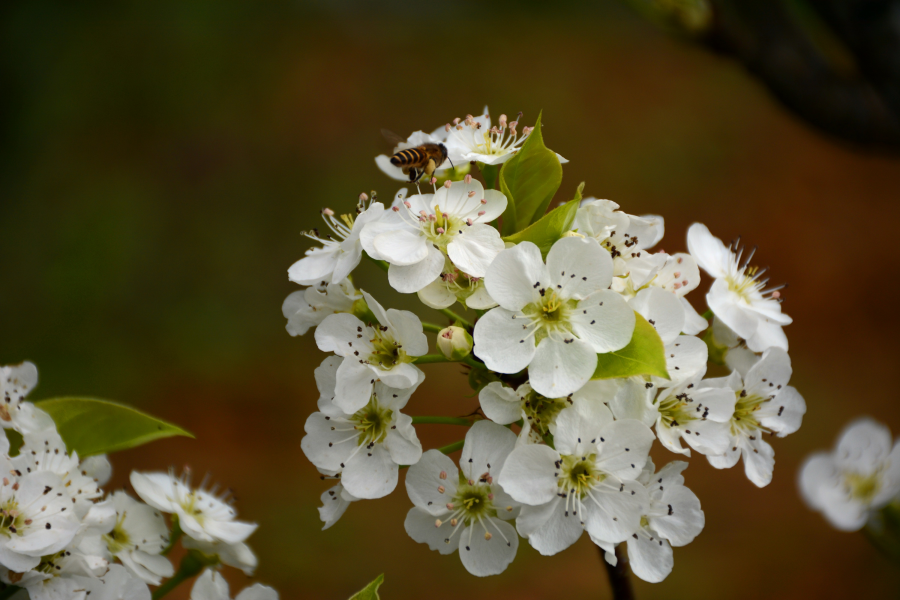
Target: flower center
{"points": [[373, 422], [440, 228], [386, 352], [744, 412], [11, 520], [863, 487], [677, 410], [48, 564], [579, 474], [474, 501], [542, 411], [118, 539]]}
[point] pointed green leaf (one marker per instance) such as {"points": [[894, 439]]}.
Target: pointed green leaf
{"points": [[370, 592], [549, 228], [529, 180], [644, 355], [90, 426], [579, 191]]}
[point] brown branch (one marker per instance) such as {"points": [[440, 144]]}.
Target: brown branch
{"points": [[619, 577]]}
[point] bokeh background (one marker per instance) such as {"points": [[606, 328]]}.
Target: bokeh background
{"points": [[159, 161]]}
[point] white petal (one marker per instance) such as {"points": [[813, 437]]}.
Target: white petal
{"points": [[651, 559], [616, 514], [708, 250], [481, 556], [257, 591], [371, 473], [624, 446], [548, 528], [500, 404], [486, 447], [210, 586], [579, 266], [407, 329], [501, 342], [515, 275], [663, 310], [333, 506], [863, 447], [693, 322], [768, 334], [475, 249], [530, 474], [480, 299], [402, 442], [335, 331], [423, 482], [685, 519], [578, 426], [437, 295], [686, 359], [679, 276], [316, 267], [384, 163], [759, 460], [731, 309], [560, 367], [412, 278], [770, 374], [400, 376], [608, 323], [784, 413], [354, 386], [402, 247], [422, 527]]}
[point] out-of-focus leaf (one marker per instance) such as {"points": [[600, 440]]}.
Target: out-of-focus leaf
{"points": [[644, 355], [90, 426], [370, 592]]}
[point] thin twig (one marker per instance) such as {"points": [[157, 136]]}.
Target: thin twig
{"points": [[619, 579]]}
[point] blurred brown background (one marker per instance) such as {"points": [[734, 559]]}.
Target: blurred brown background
{"points": [[159, 161]]}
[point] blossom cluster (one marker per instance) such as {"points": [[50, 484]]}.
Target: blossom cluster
{"points": [[62, 537], [570, 311]]}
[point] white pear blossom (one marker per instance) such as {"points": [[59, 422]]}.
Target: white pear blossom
{"points": [[697, 414], [417, 138], [765, 404], [504, 405], [860, 476], [588, 482], [673, 519], [138, 537], [737, 296], [16, 382], [212, 586], [553, 318], [239, 555], [418, 236], [381, 351], [474, 139], [466, 510], [308, 308], [201, 514], [452, 285], [341, 249], [368, 446]]}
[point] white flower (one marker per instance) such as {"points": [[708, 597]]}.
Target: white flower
{"points": [[137, 538], [334, 504], [377, 352], [698, 414], [737, 296], [860, 476], [765, 404], [626, 237], [416, 236], [674, 519], [470, 511], [586, 483], [341, 252], [553, 319], [473, 139], [201, 515], [367, 446], [36, 518], [453, 285], [308, 308], [16, 381], [239, 555], [212, 586], [417, 138]]}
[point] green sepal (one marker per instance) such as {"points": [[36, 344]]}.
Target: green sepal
{"points": [[716, 352], [529, 181], [90, 426], [549, 228], [370, 592], [645, 354]]}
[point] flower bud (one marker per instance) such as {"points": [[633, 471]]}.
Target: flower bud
{"points": [[454, 342]]}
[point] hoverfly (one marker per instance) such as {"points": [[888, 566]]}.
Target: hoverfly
{"points": [[417, 161]]}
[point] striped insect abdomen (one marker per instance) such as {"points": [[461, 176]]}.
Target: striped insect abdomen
{"points": [[407, 157]]}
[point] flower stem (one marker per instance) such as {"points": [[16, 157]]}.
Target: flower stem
{"points": [[452, 447], [174, 536], [432, 327], [428, 359], [455, 317], [192, 563], [382, 264], [619, 580], [707, 315], [441, 421]]}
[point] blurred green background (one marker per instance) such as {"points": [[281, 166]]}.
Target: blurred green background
{"points": [[159, 161]]}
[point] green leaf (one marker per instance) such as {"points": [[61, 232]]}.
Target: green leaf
{"points": [[579, 191], [549, 228], [644, 355], [529, 180], [370, 592], [90, 426]]}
